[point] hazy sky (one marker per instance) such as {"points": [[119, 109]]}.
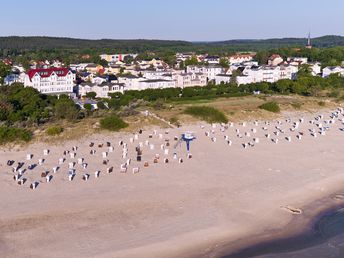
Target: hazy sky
{"points": [[195, 20]]}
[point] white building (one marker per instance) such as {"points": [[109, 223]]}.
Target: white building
{"points": [[288, 72], [212, 59], [210, 71], [315, 68], [101, 90], [113, 58], [156, 84], [189, 79], [131, 82], [297, 60], [184, 56], [275, 60], [13, 78], [333, 70], [222, 78], [156, 74], [267, 74], [244, 79], [240, 58], [78, 67], [50, 81]]}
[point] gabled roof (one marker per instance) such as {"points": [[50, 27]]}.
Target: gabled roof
{"points": [[274, 56], [44, 73]]}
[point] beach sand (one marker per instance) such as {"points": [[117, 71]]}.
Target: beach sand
{"points": [[222, 199]]}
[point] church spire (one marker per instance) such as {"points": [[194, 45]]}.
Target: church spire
{"points": [[309, 43]]}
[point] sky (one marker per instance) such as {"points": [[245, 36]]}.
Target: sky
{"points": [[192, 20]]}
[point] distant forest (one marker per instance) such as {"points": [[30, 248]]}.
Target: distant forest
{"points": [[24, 44], [329, 50]]}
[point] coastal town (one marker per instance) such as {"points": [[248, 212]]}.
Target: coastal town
{"points": [[125, 72]]}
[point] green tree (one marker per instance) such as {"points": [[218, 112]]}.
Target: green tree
{"points": [[224, 62], [66, 109], [304, 71], [235, 74], [91, 95], [191, 61], [4, 71], [283, 86]]}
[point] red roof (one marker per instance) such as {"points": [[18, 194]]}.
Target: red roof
{"points": [[61, 72]]}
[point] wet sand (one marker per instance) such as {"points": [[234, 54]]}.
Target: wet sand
{"points": [[222, 199]]}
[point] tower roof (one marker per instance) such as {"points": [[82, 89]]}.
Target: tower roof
{"points": [[309, 43]]}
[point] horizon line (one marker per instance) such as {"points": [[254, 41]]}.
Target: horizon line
{"points": [[157, 39]]}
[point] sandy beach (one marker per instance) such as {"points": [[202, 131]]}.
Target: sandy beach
{"points": [[233, 192]]}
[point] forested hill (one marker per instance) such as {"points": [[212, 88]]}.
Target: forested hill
{"points": [[35, 43], [320, 42], [20, 44]]}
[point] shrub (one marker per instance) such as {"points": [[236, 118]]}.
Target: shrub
{"points": [[91, 95], [321, 103], [88, 107], [270, 106], [159, 104], [128, 111], [112, 123], [334, 94], [12, 134], [296, 105], [101, 105], [174, 121], [54, 130], [66, 109], [208, 114]]}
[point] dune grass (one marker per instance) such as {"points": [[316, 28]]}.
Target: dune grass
{"points": [[12, 134], [208, 114], [271, 106], [54, 130], [112, 123]]}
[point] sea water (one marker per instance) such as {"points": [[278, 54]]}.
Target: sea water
{"points": [[325, 239]]}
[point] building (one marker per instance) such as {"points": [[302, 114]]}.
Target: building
{"points": [[240, 58], [86, 76], [94, 68], [315, 68], [184, 80], [117, 57], [212, 59], [269, 74], [14, 77], [51, 80], [288, 72], [156, 84], [182, 57], [297, 60], [222, 78], [113, 69], [155, 74], [78, 67], [131, 82], [275, 60], [102, 90], [209, 70], [327, 71]]}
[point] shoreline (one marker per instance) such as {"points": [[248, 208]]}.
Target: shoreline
{"points": [[298, 226]]}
